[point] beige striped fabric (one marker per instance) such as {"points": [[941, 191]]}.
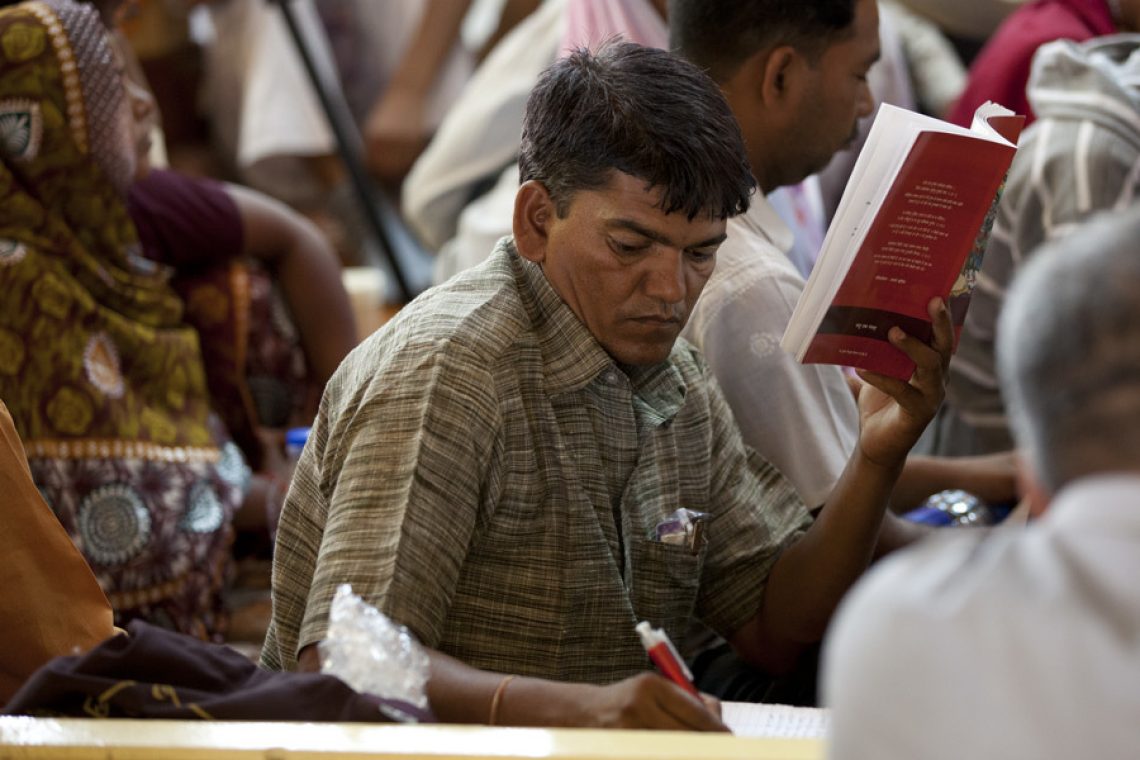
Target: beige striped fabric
{"points": [[484, 473], [1080, 157]]}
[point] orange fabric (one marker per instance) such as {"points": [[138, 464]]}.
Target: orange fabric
{"points": [[52, 603]]}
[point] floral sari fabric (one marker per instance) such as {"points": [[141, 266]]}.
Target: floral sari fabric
{"points": [[104, 380]]}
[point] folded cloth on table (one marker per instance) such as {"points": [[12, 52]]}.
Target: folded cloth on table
{"points": [[156, 673]]}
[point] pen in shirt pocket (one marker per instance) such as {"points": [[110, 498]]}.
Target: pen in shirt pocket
{"points": [[684, 527]]}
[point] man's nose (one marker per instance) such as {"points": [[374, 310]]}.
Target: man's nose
{"points": [[666, 279]]}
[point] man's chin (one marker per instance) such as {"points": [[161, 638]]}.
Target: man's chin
{"points": [[642, 355]]}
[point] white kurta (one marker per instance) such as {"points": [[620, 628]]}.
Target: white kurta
{"points": [[1015, 643], [800, 417]]}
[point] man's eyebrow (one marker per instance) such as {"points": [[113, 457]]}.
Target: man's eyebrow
{"points": [[657, 237]]}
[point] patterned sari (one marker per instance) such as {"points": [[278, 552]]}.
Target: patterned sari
{"points": [[104, 379]]}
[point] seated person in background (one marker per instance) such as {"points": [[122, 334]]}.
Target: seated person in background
{"points": [[1022, 643], [401, 121], [459, 196], [233, 249], [1001, 71], [1079, 158], [490, 467], [797, 89], [262, 288], [104, 377], [401, 63], [52, 603]]}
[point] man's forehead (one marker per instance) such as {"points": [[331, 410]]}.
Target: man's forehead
{"points": [[627, 193]]}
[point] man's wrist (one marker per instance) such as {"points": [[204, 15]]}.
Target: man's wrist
{"points": [[885, 467]]}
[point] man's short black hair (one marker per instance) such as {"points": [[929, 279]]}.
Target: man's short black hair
{"points": [[643, 112], [719, 35]]}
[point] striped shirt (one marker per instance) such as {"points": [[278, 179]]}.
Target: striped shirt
{"points": [[483, 472], [1082, 156]]}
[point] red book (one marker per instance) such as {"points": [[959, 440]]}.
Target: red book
{"points": [[912, 224]]}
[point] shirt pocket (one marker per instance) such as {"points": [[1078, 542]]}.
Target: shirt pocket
{"points": [[664, 584]]}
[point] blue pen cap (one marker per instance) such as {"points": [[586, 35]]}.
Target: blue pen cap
{"points": [[295, 441]]}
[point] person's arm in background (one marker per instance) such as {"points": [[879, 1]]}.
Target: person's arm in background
{"points": [[513, 12], [308, 273], [396, 131], [990, 477]]}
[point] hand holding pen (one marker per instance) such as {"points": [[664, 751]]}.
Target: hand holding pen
{"points": [[666, 657], [646, 701], [669, 662]]}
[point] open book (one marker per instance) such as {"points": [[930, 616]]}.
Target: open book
{"points": [[912, 224]]}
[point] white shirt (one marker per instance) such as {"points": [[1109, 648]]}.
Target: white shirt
{"points": [[480, 134], [254, 65], [1015, 643], [800, 417], [479, 138]]}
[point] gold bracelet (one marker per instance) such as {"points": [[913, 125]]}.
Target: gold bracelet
{"points": [[497, 698]]}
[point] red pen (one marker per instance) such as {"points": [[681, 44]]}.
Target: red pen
{"points": [[664, 655]]}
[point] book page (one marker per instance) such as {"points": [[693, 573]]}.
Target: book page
{"points": [[775, 721]]}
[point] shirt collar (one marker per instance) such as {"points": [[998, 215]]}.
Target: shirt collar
{"points": [[660, 390], [572, 358]]}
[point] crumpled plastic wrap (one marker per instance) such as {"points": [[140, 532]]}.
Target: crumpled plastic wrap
{"points": [[371, 653]]}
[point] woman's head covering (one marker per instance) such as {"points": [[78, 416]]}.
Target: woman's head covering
{"points": [[104, 379], [88, 327]]}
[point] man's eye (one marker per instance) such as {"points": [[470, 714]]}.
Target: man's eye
{"points": [[702, 254], [621, 247]]}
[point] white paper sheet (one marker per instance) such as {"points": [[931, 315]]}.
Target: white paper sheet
{"points": [[775, 721]]}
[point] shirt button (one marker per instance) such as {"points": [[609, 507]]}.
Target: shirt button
{"points": [[610, 378]]}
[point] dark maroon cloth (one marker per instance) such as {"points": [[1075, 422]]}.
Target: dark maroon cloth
{"points": [[1001, 70], [193, 226], [255, 368], [185, 222], [156, 673]]}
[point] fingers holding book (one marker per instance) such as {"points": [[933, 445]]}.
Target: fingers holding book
{"points": [[892, 431]]}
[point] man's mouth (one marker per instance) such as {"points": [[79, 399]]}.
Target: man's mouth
{"points": [[657, 319]]}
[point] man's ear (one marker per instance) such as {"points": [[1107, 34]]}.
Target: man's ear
{"points": [[534, 211], [777, 73]]}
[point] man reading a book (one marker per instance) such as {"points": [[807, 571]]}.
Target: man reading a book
{"points": [[498, 467], [794, 73]]}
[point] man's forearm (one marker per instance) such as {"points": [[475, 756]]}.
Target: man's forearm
{"points": [[991, 477], [459, 693]]}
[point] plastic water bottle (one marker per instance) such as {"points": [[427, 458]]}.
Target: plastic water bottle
{"points": [[295, 442]]}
